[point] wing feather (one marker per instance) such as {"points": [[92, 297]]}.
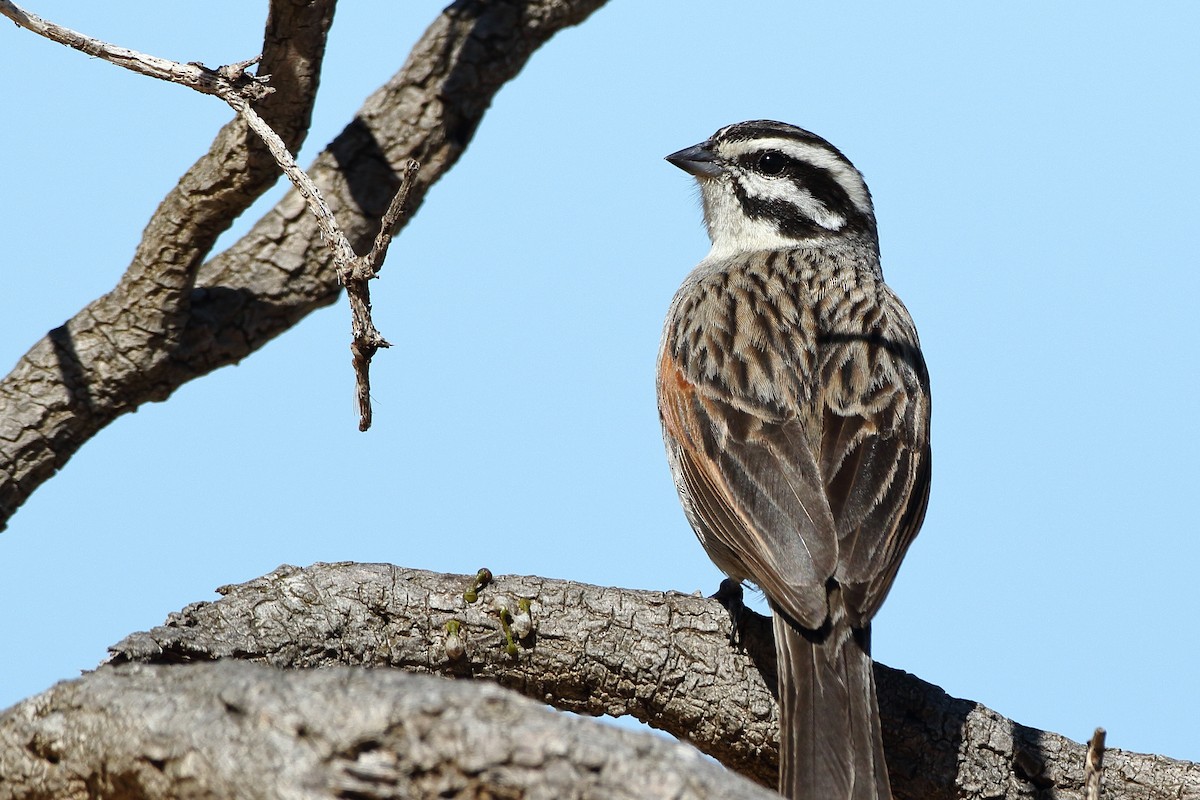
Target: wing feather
{"points": [[754, 499], [875, 460], [828, 486]]}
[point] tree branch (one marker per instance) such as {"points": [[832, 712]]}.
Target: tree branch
{"points": [[232, 84], [353, 271], [1093, 773], [117, 352], [366, 340], [220, 82], [160, 328], [236, 730], [664, 658]]}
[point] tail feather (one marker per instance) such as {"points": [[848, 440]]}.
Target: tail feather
{"points": [[830, 741]]}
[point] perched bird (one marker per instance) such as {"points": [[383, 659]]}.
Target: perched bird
{"points": [[795, 409]]}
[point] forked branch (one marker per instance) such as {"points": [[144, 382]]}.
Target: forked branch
{"points": [[353, 271], [240, 89], [137, 344]]}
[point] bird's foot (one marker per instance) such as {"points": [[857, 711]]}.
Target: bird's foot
{"points": [[730, 595]]}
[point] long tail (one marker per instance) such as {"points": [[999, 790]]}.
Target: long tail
{"points": [[830, 742]]}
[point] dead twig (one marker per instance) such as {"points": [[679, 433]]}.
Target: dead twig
{"points": [[195, 75], [366, 339], [240, 89], [1093, 771], [353, 271]]}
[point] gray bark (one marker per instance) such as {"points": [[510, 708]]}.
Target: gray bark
{"points": [[234, 729], [174, 317], [663, 658], [237, 730]]}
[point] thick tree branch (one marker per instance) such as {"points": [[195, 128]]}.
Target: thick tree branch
{"points": [[118, 351], [108, 360], [663, 658], [236, 87], [234, 730]]}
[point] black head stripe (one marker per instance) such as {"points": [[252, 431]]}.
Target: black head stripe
{"points": [[767, 128]]}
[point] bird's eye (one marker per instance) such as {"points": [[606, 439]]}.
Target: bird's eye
{"points": [[772, 163]]}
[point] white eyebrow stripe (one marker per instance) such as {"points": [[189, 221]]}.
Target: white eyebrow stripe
{"points": [[760, 186], [847, 176]]}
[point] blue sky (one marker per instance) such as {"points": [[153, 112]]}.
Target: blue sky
{"points": [[1033, 167]]}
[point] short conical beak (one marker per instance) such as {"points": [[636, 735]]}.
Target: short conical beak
{"points": [[697, 160]]}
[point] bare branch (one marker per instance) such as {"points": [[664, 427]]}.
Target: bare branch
{"points": [[353, 271], [368, 267], [199, 77], [1093, 774], [237, 88], [115, 355], [664, 658], [366, 340], [236, 730], [343, 254]]}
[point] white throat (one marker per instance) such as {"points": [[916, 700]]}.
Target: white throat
{"points": [[733, 232]]}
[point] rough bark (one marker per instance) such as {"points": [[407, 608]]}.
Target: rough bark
{"points": [[664, 658], [173, 318], [237, 730], [111, 356]]}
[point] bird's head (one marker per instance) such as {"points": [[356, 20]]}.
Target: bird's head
{"points": [[771, 186]]}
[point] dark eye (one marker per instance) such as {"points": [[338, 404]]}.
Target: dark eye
{"points": [[772, 163]]}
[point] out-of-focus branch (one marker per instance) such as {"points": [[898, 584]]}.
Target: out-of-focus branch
{"points": [[1093, 773], [664, 658], [237, 730], [173, 319]]}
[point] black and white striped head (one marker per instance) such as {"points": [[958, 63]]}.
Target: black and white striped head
{"points": [[771, 186]]}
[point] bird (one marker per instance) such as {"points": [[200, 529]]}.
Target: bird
{"points": [[795, 409]]}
